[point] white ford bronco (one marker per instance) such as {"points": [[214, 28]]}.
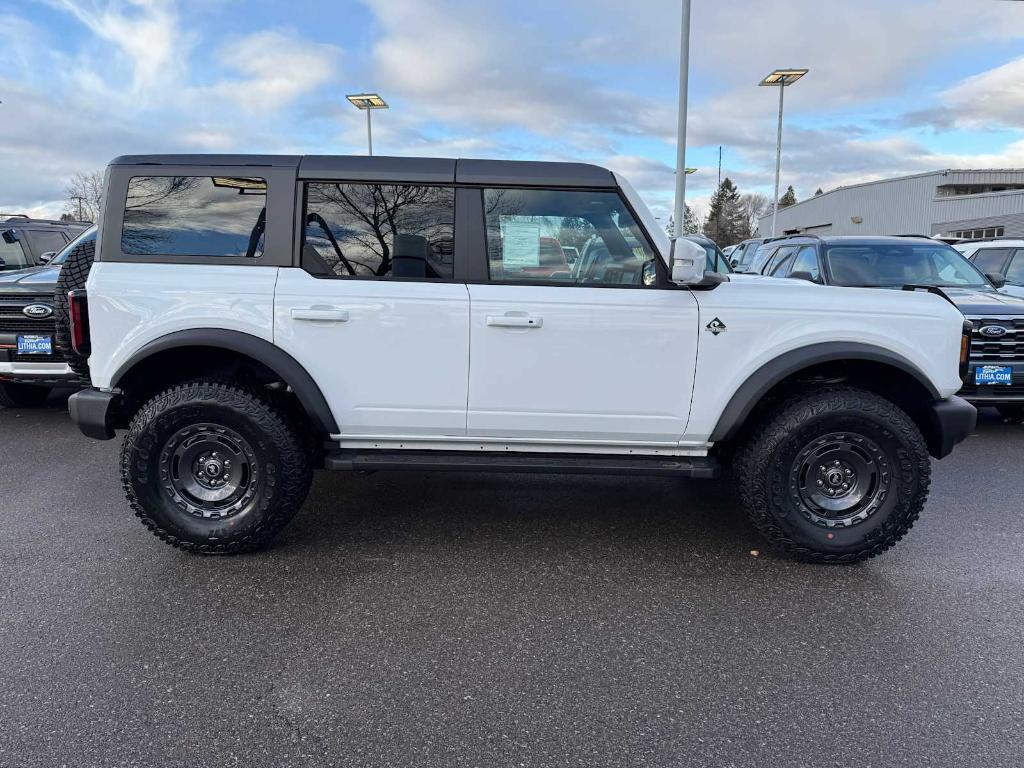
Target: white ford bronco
{"points": [[249, 319]]}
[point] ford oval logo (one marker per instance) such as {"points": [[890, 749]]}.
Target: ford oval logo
{"points": [[994, 331], [37, 311]]}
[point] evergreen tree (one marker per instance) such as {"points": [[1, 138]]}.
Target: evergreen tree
{"points": [[727, 220], [788, 199], [819, 192]]}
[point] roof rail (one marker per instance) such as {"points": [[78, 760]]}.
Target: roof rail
{"points": [[9, 216], [811, 235], [925, 237]]}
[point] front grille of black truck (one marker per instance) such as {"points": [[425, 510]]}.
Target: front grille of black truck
{"points": [[14, 322], [1004, 350]]}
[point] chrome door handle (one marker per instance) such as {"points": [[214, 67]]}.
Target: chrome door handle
{"points": [[514, 321], [323, 315]]}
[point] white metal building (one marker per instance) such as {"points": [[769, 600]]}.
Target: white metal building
{"points": [[969, 204]]}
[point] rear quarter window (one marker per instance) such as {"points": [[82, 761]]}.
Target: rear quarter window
{"points": [[194, 216]]}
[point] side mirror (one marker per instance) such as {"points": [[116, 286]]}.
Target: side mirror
{"points": [[47, 257], [734, 263], [688, 261], [997, 279], [10, 236], [804, 276]]}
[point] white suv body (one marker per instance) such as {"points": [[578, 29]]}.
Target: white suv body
{"points": [[1002, 258], [474, 337]]}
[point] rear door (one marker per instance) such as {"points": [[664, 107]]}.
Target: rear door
{"points": [[599, 356], [374, 314]]}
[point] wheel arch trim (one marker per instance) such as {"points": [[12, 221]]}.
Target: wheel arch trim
{"points": [[761, 382], [280, 362]]}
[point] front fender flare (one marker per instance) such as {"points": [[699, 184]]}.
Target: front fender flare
{"points": [[770, 374], [261, 350]]}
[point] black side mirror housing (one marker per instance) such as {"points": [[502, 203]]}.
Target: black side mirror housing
{"points": [[10, 236], [997, 279], [804, 276]]}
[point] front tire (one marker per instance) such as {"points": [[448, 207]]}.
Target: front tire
{"points": [[214, 468], [834, 476], [22, 395]]}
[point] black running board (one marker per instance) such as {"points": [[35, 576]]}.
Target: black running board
{"points": [[703, 468]]}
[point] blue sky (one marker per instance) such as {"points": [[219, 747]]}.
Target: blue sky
{"points": [[896, 86]]}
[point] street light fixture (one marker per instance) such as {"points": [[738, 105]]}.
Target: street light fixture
{"points": [[367, 102], [781, 79]]}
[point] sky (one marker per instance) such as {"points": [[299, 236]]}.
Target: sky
{"points": [[896, 86]]}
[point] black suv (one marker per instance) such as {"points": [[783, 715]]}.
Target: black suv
{"points": [[27, 242], [996, 374], [33, 359]]}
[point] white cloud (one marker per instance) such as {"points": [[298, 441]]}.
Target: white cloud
{"points": [[147, 32], [276, 66], [989, 100]]}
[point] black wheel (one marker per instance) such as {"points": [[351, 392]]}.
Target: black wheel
{"points": [[1014, 413], [22, 395], [214, 468], [834, 476], [73, 274]]}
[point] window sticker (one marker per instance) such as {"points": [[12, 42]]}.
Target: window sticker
{"points": [[520, 244]]}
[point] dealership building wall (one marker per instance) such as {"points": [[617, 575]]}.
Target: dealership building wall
{"points": [[958, 203]]}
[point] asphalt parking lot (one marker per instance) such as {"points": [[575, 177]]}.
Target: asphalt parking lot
{"points": [[488, 620]]}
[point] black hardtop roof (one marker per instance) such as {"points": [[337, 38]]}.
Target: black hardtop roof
{"points": [[520, 173]]}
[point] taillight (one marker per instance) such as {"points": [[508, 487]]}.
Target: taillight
{"points": [[966, 340], [78, 314]]}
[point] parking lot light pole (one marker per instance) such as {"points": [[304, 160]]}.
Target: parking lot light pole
{"points": [[684, 82], [781, 79], [368, 102]]}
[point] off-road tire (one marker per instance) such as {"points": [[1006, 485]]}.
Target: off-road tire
{"points": [[22, 395], [73, 274], [281, 466], [767, 470], [1014, 413]]}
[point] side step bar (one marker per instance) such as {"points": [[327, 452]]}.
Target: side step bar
{"points": [[541, 463]]}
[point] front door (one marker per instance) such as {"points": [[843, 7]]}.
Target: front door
{"points": [[588, 353], [373, 314]]}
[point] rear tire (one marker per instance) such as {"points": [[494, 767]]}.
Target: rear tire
{"points": [[22, 395], [214, 468], [834, 476], [73, 274]]}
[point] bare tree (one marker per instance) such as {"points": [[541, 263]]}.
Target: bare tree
{"points": [[755, 207], [84, 196]]}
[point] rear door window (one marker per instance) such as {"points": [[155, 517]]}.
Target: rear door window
{"points": [[806, 261], [375, 231], [195, 216]]}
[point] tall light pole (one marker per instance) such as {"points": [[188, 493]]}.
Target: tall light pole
{"points": [[781, 79], [684, 83], [368, 102]]}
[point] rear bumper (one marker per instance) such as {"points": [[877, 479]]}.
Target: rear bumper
{"points": [[953, 421], [93, 411]]}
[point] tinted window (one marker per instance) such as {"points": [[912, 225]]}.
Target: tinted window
{"points": [[194, 216], [807, 261], [781, 261], [527, 229], [1015, 272], [12, 255], [901, 264], [379, 230], [991, 259], [46, 241]]}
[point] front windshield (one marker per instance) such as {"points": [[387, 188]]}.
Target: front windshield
{"points": [[897, 264], [89, 234]]}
